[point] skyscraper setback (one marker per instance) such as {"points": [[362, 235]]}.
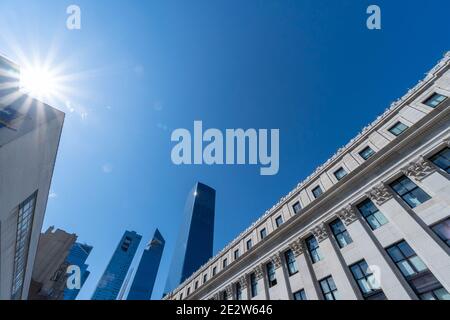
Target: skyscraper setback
{"points": [[144, 279], [194, 245], [112, 279]]}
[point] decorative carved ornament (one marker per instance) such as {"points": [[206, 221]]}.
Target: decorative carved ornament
{"points": [[419, 170], [276, 260], [320, 232], [229, 291], [380, 194], [348, 215], [258, 272], [243, 281], [296, 247]]}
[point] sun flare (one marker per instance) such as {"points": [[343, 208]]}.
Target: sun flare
{"points": [[39, 82]]}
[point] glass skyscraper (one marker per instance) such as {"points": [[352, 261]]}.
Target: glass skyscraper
{"points": [[194, 246], [77, 256], [144, 279], [110, 283]]}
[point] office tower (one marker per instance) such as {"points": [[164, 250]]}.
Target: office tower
{"points": [[77, 256], [194, 245], [29, 137], [144, 279], [371, 223], [112, 279], [50, 266]]}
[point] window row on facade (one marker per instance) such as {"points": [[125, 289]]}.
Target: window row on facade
{"points": [[404, 187], [412, 267]]}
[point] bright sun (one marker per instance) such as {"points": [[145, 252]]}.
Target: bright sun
{"points": [[39, 82]]}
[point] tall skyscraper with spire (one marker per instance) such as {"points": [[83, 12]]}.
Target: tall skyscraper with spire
{"points": [[194, 245], [144, 279], [110, 283]]}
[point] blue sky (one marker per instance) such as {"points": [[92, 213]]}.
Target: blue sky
{"points": [[141, 69]]}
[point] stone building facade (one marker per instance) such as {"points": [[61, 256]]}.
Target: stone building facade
{"points": [[373, 222]]}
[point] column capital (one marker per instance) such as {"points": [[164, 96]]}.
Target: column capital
{"points": [[296, 247], [276, 260], [419, 169], [320, 232], [348, 215], [258, 272], [243, 281], [380, 194], [229, 291]]}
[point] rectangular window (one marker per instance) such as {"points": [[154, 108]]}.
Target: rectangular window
{"points": [[442, 229], [236, 254], [340, 233], [253, 285], [181, 296], [313, 248], [205, 278], [279, 221], [196, 285], [340, 173], [271, 277], [317, 192], [435, 100], [224, 295], [263, 233], [188, 291], [409, 192], [238, 291], [297, 207], [422, 281], [442, 160], [24, 228], [225, 263], [366, 153], [214, 271], [291, 262], [249, 244], [371, 214], [329, 289], [398, 128], [300, 295], [366, 281]]}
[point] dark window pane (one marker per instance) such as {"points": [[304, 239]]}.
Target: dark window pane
{"points": [[317, 191], [442, 160], [366, 153], [435, 100], [398, 128]]}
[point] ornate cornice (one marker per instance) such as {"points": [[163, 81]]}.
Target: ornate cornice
{"points": [[419, 169], [380, 194], [296, 247], [320, 232], [348, 215]]}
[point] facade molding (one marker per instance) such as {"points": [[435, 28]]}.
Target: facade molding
{"points": [[320, 232], [348, 215], [419, 169], [380, 194]]}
